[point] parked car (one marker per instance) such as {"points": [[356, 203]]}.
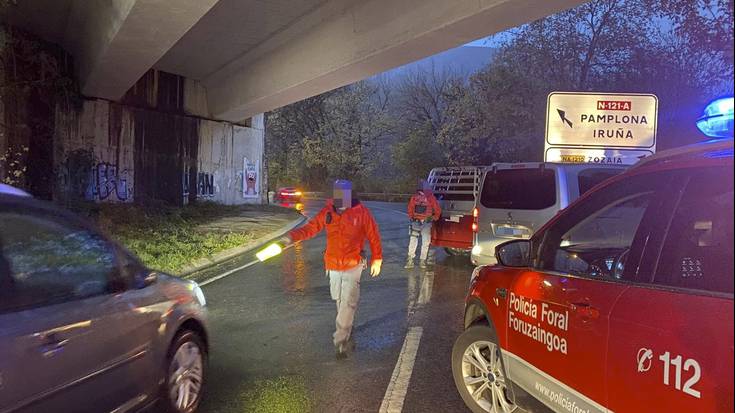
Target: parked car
{"points": [[85, 327], [455, 188], [516, 199], [290, 197], [623, 302]]}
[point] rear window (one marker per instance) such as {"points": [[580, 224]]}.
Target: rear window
{"points": [[589, 178], [519, 189]]}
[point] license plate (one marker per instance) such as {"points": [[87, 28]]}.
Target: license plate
{"points": [[509, 232], [454, 218]]}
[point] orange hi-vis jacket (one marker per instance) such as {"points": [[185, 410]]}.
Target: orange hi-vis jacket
{"points": [[422, 206], [346, 235]]}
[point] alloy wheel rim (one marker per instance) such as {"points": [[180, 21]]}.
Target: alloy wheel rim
{"points": [[185, 376], [482, 373]]}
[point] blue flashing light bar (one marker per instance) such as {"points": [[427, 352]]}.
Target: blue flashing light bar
{"points": [[717, 121]]}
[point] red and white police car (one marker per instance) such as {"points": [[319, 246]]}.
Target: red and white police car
{"points": [[623, 302]]}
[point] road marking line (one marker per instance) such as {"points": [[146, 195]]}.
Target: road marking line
{"points": [[395, 394], [234, 270]]}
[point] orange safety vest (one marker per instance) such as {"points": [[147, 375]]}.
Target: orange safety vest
{"points": [[422, 206]]}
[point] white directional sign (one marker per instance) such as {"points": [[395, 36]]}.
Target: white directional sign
{"points": [[603, 120], [600, 127]]}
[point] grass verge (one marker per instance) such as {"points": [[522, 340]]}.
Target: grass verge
{"points": [[169, 238]]}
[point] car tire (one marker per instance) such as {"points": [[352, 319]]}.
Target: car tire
{"points": [[184, 374], [484, 376]]}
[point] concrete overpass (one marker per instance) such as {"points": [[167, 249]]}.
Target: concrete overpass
{"points": [[252, 56]]}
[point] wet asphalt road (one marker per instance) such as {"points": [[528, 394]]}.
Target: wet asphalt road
{"points": [[271, 327]]}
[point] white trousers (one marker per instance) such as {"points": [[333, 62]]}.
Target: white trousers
{"points": [[345, 289], [424, 230]]}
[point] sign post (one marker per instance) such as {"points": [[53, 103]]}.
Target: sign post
{"points": [[600, 127]]}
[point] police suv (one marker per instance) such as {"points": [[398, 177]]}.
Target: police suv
{"points": [[623, 302]]}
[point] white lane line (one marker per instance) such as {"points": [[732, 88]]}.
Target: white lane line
{"points": [[234, 270], [395, 394]]}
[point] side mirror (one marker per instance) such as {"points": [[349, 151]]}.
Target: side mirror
{"points": [[516, 253], [139, 276], [149, 278]]}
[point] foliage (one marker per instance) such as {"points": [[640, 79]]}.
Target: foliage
{"points": [[12, 165], [330, 136]]}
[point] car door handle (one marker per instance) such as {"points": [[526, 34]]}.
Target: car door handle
{"points": [[52, 345], [585, 310]]}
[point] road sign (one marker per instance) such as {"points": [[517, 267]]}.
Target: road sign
{"points": [[601, 120], [605, 156]]}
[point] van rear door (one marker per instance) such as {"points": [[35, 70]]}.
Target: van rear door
{"points": [[517, 199], [456, 189]]}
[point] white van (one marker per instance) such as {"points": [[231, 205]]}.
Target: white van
{"points": [[516, 199]]}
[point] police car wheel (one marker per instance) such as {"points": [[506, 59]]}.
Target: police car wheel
{"points": [[478, 371]]}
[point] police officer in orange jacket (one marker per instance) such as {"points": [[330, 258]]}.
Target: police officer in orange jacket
{"points": [[348, 224], [423, 208]]}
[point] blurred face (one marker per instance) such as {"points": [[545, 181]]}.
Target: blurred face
{"points": [[342, 195]]}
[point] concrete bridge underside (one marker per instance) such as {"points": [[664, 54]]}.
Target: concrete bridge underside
{"points": [[252, 56]]}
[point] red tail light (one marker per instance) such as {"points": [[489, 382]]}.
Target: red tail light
{"points": [[475, 220]]}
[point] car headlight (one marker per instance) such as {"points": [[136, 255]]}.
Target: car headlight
{"points": [[477, 249], [199, 294]]}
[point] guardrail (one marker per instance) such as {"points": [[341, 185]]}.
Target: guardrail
{"points": [[366, 196]]}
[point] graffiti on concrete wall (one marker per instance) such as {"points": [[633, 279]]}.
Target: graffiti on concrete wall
{"points": [[205, 185], [84, 178], [251, 181], [185, 184], [110, 182]]}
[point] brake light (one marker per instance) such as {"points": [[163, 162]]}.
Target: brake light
{"points": [[475, 220]]}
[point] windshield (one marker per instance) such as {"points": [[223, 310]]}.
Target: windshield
{"points": [[589, 178]]}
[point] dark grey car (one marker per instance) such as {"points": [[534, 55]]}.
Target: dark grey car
{"points": [[85, 327]]}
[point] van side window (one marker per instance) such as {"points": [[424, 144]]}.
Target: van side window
{"points": [[698, 250], [595, 238]]}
